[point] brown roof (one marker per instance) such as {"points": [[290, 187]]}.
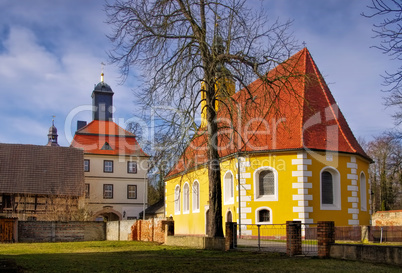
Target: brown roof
{"points": [[296, 111], [33, 169]]}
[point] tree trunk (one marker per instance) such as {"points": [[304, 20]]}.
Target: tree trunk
{"points": [[215, 228]]}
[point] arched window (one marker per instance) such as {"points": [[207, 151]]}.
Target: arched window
{"points": [[327, 188], [330, 189], [363, 192], [263, 215], [228, 188], [186, 198], [266, 184], [196, 196], [177, 200]]}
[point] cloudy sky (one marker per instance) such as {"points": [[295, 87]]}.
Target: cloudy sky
{"points": [[51, 50]]}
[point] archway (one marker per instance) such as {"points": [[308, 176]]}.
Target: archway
{"points": [[107, 214], [229, 216]]}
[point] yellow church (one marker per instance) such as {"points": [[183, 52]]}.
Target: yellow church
{"points": [[286, 154]]}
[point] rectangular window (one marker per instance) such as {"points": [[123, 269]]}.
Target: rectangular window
{"points": [[108, 166], [131, 191], [131, 167], [86, 190], [86, 165], [107, 191]]}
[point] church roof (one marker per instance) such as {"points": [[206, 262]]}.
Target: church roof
{"points": [[292, 109], [34, 169], [106, 138]]}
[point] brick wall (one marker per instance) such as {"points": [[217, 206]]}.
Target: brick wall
{"points": [[325, 237], [151, 230], [50, 231]]}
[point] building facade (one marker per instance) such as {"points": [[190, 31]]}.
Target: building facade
{"points": [[115, 166], [297, 161]]}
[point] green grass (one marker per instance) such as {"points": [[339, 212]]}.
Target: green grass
{"points": [[149, 257]]}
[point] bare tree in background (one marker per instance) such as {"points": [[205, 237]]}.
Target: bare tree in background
{"points": [[181, 45], [389, 31], [386, 172]]}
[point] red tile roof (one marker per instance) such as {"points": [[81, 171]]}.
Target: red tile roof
{"points": [[296, 111], [93, 137]]}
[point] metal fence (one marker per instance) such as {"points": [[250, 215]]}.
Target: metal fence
{"points": [[272, 238]]}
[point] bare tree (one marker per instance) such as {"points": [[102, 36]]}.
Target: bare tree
{"points": [[389, 31], [189, 52], [386, 172]]}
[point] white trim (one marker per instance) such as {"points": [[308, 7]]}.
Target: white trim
{"points": [[336, 187], [256, 176], [257, 218], [228, 200]]}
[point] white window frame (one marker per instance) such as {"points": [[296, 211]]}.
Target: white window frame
{"points": [[177, 199], [196, 196], [257, 218], [256, 176], [363, 192], [186, 198], [336, 188], [228, 190]]}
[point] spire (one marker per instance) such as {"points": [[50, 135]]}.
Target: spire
{"points": [[102, 74], [52, 136]]}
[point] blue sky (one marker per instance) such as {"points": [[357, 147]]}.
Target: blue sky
{"points": [[50, 55]]}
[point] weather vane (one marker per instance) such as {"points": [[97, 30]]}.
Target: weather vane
{"points": [[102, 66]]}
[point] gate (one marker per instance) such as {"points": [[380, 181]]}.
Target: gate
{"points": [[7, 228]]}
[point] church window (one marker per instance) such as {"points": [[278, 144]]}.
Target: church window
{"points": [[266, 184], [177, 200], [228, 188], [186, 198], [330, 189], [196, 196], [363, 192]]}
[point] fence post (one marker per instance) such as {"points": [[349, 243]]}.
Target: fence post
{"points": [[293, 238], [325, 237], [259, 237]]}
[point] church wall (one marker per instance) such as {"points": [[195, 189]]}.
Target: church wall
{"points": [[298, 195]]}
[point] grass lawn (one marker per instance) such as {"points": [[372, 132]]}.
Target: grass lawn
{"points": [[109, 256]]}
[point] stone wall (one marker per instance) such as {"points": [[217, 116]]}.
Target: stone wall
{"points": [[51, 231], [119, 230], [387, 218], [369, 253]]}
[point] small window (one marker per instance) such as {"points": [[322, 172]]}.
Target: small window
{"points": [[86, 165], [131, 167], [132, 191], [263, 215], [196, 196], [87, 190], [186, 198], [177, 200], [107, 191], [108, 166]]}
